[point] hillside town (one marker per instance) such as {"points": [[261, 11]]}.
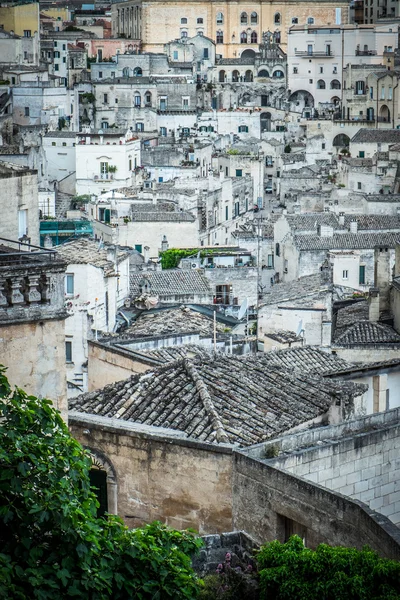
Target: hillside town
{"points": [[200, 256]]}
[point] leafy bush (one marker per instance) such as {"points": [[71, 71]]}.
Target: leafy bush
{"points": [[291, 571], [52, 545]]}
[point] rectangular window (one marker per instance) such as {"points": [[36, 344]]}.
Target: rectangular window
{"points": [[139, 126], [277, 249], [163, 103], [309, 49], [359, 185], [175, 54], [100, 74], [382, 92], [54, 143], [239, 172], [163, 131], [56, 67], [22, 223], [390, 93], [138, 101], [226, 213], [270, 261], [205, 53], [27, 33], [185, 102], [69, 284], [361, 154], [68, 351], [361, 279], [345, 274], [64, 59], [323, 146], [105, 98], [27, 111]]}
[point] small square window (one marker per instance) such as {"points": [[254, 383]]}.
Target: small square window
{"points": [[184, 21], [199, 21], [69, 284], [54, 143]]}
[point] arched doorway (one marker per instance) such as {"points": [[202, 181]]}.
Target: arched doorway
{"points": [[137, 72], [301, 101], [384, 114], [235, 75], [265, 119], [221, 76], [263, 73], [248, 75], [248, 53], [341, 141], [103, 478]]}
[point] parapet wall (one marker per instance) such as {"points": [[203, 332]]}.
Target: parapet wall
{"points": [[271, 504]]}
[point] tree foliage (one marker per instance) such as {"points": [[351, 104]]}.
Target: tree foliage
{"points": [[52, 545], [291, 571]]}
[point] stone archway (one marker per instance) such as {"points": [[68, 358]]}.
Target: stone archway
{"points": [[300, 100], [249, 53], [102, 464]]}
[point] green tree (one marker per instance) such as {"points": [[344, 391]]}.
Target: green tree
{"points": [[51, 543], [291, 571]]}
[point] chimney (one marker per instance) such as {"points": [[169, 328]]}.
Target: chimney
{"points": [[341, 218], [373, 305], [326, 272], [164, 244], [146, 251], [325, 230], [353, 226], [112, 254], [383, 276]]}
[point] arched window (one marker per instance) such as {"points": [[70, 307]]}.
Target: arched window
{"points": [[248, 76], [147, 98], [254, 18], [137, 72], [321, 84], [335, 84], [184, 21], [277, 18], [220, 18], [220, 37], [221, 76], [253, 37], [243, 37], [137, 99], [243, 18], [125, 72], [310, 21], [235, 75], [263, 73], [278, 74]]}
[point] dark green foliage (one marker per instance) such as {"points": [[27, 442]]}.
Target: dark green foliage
{"points": [[52, 546], [290, 571], [288, 149], [235, 579], [171, 258]]}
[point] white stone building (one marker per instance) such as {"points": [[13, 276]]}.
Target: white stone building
{"points": [[96, 285], [106, 161]]}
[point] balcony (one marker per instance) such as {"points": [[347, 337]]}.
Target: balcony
{"points": [[31, 283], [366, 53], [314, 54]]}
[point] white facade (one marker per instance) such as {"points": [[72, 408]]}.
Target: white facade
{"points": [[106, 161], [317, 55], [92, 303], [59, 148]]}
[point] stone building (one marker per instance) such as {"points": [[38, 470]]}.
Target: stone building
{"points": [[19, 203], [235, 29], [96, 285], [195, 402], [32, 316]]}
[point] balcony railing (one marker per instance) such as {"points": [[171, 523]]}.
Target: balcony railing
{"points": [[314, 53], [366, 52]]}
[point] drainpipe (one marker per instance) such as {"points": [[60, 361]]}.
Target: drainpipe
{"points": [[393, 105]]}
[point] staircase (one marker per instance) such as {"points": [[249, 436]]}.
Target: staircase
{"points": [[63, 203]]}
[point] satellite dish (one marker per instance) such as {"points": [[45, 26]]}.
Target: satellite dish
{"points": [[299, 328], [243, 309]]}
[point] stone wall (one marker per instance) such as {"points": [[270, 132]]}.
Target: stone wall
{"points": [[160, 475], [363, 465], [237, 543], [271, 504]]}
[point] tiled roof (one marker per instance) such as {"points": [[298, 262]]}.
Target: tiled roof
{"points": [[367, 332], [348, 315], [85, 251], [163, 216], [172, 353], [171, 282], [382, 198], [283, 336], [374, 222], [346, 241], [172, 320], [292, 290], [375, 136], [223, 399], [310, 221], [382, 364], [307, 359]]}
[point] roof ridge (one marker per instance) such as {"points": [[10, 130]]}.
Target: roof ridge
{"points": [[207, 402]]}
